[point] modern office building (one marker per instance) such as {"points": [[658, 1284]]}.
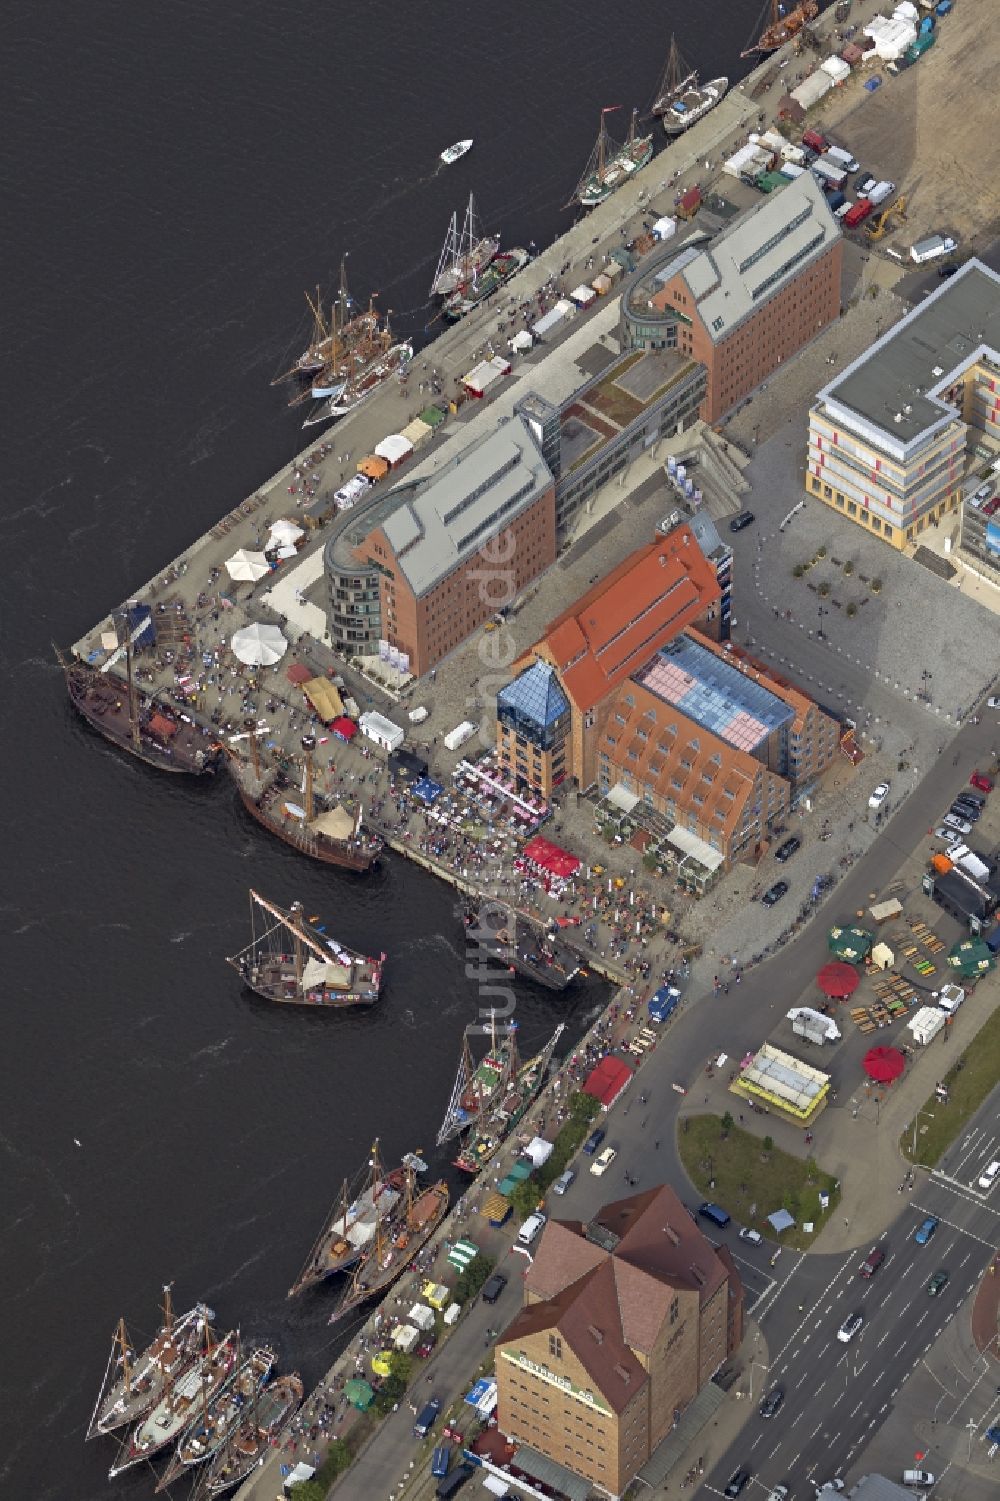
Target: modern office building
{"points": [[437, 557], [746, 302], [625, 1319], [549, 721], [715, 745], [889, 438], [981, 531]]}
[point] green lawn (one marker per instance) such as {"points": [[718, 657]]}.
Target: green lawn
{"points": [[743, 1178], [969, 1079]]}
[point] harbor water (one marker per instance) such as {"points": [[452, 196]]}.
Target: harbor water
{"points": [[176, 174]]}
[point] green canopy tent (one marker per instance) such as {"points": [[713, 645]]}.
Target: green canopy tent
{"points": [[851, 944], [971, 958], [359, 1394], [461, 1253]]}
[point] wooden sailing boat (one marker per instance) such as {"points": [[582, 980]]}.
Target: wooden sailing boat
{"points": [[495, 1124], [399, 1237], [181, 1404], [350, 1227], [135, 1383], [782, 25], [271, 1410], [677, 77], [611, 165], [220, 1418], [476, 1086], [293, 962]]}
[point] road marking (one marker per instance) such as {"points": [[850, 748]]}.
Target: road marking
{"points": [[774, 1451], [756, 1441], [961, 1230], [923, 1316], [883, 1339]]}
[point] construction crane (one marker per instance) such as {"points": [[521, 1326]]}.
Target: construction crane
{"points": [[880, 225]]}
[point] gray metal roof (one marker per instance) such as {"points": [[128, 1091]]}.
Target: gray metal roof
{"points": [[438, 522], [892, 386], [878, 1488], [757, 254]]}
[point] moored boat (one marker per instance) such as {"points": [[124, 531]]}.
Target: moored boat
{"points": [[220, 1418], [464, 255], [262, 1424], [135, 1383], [783, 25], [396, 1243], [293, 962], [533, 949], [495, 1127], [455, 153], [610, 165], [504, 265], [179, 1406], [478, 1085], [693, 104], [362, 382]]}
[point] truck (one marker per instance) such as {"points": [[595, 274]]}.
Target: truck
{"points": [[836, 201], [841, 158], [826, 171], [792, 153], [880, 192], [791, 170], [930, 248], [664, 1003], [858, 212], [813, 1025], [815, 141], [949, 998], [426, 1418], [925, 41]]}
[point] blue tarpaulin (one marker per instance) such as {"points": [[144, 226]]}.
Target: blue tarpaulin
{"points": [[427, 790], [141, 626], [781, 1220]]}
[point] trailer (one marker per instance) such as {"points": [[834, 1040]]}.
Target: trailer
{"points": [[930, 248], [814, 1026], [925, 1024]]}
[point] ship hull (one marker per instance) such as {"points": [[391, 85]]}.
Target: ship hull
{"points": [[166, 1359], [459, 276], [211, 1429], [436, 1200], [276, 1407], [279, 984], [334, 1252], [503, 269], [172, 1416], [326, 851], [530, 952], [675, 123], [624, 166], [102, 700], [397, 359], [782, 31]]}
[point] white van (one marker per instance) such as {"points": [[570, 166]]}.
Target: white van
{"points": [[918, 1477], [531, 1228]]}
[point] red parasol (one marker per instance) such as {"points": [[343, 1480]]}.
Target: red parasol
{"points": [[883, 1064], [838, 980]]}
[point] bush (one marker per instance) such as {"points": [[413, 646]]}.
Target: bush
{"points": [[798, 570], [475, 1274], [337, 1460], [727, 1123], [768, 1144], [821, 552], [391, 1392]]}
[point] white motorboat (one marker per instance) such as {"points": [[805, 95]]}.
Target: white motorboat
{"points": [[453, 153]]}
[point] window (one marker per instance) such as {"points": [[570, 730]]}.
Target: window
{"points": [[555, 1346]]}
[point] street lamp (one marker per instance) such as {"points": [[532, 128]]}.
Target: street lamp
{"points": [[819, 629]]}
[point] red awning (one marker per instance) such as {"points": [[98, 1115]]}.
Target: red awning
{"points": [[161, 727], [344, 727], [298, 673], [608, 1080], [883, 1064], [557, 861], [838, 980]]}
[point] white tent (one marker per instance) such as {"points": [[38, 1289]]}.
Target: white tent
{"points": [[259, 645], [247, 567], [285, 532]]}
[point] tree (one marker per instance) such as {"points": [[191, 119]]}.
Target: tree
{"points": [[768, 1145], [472, 1278], [524, 1198], [391, 1391], [727, 1124]]}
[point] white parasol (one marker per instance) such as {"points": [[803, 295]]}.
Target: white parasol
{"points": [[285, 532], [247, 567], [259, 645]]}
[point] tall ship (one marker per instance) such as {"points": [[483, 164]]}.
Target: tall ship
{"points": [[135, 1383], [505, 265], [681, 99], [478, 1086], [349, 1230], [532, 949], [399, 1236], [493, 1128], [187, 1397], [262, 1422], [782, 24], [368, 367], [465, 254], [610, 164], [328, 833], [219, 1419], [290, 960], [134, 721]]}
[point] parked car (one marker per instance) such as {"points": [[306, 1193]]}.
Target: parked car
{"points": [[427, 1418], [715, 1213], [426, 1346], [594, 1141], [872, 1262], [600, 1165], [993, 702], [786, 850], [879, 795], [563, 1181], [737, 1482], [779, 1493], [937, 1282], [983, 783], [958, 825], [918, 1477], [753, 1236], [864, 182], [829, 1487], [850, 1326], [942, 833], [989, 1177], [493, 1287], [772, 1402], [774, 894], [971, 812], [984, 492], [948, 269], [745, 518], [924, 1231], [979, 798]]}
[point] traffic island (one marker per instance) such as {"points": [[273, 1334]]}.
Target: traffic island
{"points": [[752, 1178]]}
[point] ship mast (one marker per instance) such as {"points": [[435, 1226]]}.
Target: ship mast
{"points": [[296, 927], [308, 746]]}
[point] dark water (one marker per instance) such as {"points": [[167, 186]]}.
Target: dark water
{"points": [[174, 175]]}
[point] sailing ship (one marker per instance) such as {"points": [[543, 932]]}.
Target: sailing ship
{"points": [[610, 165], [327, 341], [137, 722], [477, 1086], [366, 372], [182, 1403], [493, 1128], [268, 1415], [219, 1419], [500, 270], [782, 25], [329, 834], [455, 153], [464, 255], [135, 1383], [293, 962], [398, 1238], [680, 99], [349, 1229], [532, 949]]}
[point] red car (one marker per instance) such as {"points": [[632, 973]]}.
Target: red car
{"points": [[426, 1346], [979, 781], [872, 1262]]}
